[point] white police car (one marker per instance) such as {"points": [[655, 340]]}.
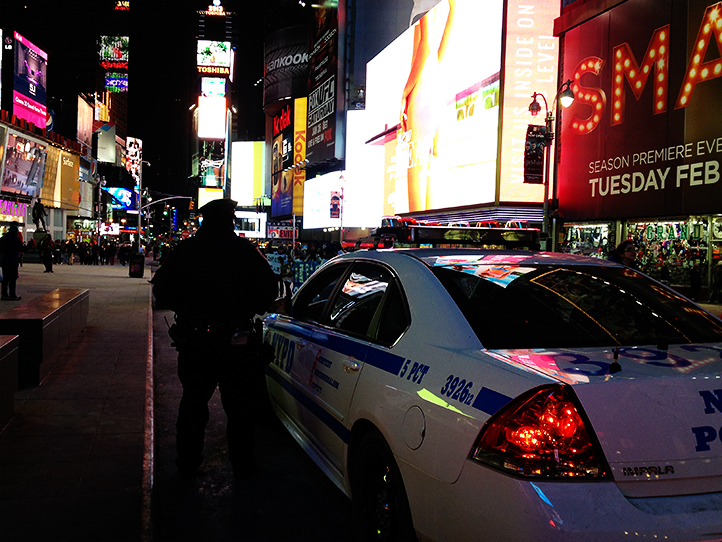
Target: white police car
{"points": [[505, 395]]}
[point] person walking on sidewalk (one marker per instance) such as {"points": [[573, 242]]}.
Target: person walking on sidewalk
{"points": [[10, 249], [215, 282], [46, 250]]}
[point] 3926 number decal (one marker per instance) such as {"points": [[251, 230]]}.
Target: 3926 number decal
{"points": [[458, 389]]}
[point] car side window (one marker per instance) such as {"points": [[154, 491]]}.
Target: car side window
{"points": [[311, 301], [359, 298], [394, 318]]}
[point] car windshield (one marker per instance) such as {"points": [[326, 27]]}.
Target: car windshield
{"points": [[572, 306]]}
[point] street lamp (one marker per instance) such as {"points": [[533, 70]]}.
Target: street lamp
{"points": [[565, 95]]}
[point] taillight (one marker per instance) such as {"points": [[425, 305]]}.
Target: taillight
{"points": [[542, 433]]}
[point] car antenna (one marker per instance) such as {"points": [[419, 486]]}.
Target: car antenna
{"points": [[615, 367]]}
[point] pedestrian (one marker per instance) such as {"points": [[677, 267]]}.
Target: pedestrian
{"points": [[10, 249], [695, 280], [625, 253], [215, 282], [46, 250]]}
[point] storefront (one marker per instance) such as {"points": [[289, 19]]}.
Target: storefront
{"points": [[668, 248], [641, 145]]}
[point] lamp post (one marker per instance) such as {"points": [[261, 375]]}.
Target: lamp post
{"points": [[565, 96]]}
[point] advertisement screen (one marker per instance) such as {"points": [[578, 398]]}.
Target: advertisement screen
{"points": [[281, 160], [643, 139], [120, 198], [116, 81], [24, 165], [531, 65], [85, 122], [134, 158], [114, 52], [214, 57], [212, 163], [211, 117], [29, 92], [213, 87], [248, 172], [433, 100], [322, 84]]}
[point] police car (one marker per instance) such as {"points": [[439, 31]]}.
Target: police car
{"points": [[500, 395]]}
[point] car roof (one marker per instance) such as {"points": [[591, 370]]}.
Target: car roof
{"points": [[447, 256]]}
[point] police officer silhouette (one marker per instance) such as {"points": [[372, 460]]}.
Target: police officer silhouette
{"points": [[215, 282]]}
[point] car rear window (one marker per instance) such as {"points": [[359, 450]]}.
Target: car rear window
{"points": [[514, 306]]}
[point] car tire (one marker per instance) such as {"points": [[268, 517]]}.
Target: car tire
{"points": [[380, 507]]}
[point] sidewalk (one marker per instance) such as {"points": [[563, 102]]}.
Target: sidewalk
{"points": [[72, 458]]}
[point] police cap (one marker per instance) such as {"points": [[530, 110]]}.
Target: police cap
{"points": [[219, 210]]}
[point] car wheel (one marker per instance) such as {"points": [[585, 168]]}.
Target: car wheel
{"points": [[380, 506]]}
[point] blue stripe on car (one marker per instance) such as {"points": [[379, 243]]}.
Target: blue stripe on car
{"points": [[490, 401], [332, 423]]}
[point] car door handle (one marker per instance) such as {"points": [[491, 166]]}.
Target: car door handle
{"points": [[350, 365]]}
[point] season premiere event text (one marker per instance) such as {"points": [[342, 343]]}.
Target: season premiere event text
{"points": [[652, 174]]}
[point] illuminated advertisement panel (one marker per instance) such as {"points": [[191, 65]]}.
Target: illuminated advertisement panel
{"points": [[24, 165], [85, 122], [323, 83], [281, 160], [1, 74], [114, 52], [285, 64], [211, 117], [134, 158], [317, 205], [120, 198], [299, 152], [213, 87], [29, 93], [248, 171], [214, 57], [116, 81], [531, 64], [433, 97], [3, 141], [212, 164], [642, 138], [69, 180]]}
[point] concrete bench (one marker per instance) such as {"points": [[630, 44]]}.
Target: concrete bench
{"points": [[9, 345], [45, 325]]}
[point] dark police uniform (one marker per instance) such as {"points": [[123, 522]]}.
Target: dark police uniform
{"points": [[215, 282]]}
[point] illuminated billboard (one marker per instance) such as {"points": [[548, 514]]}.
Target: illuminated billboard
{"points": [[120, 198], [29, 92], [85, 122], [213, 87], [248, 171], [434, 100], [134, 158], [114, 52], [214, 57], [212, 163], [24, 165], [642, 138], [531, 65], [116, 81], [211, 117]]}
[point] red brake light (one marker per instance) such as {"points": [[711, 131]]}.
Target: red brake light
{"points": [[542, 433]]}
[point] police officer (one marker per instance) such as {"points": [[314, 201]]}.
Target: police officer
{"points": [[215, 282]]}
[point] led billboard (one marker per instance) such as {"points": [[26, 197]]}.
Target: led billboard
{"points": [[211, 117], [134, 158], [85, 122], [434, 100], [248, 171], [114, 52], [212, 163], [29, 92], [214, 57], [24, 165], [213, 87], [120, 198], [642, 138]]}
